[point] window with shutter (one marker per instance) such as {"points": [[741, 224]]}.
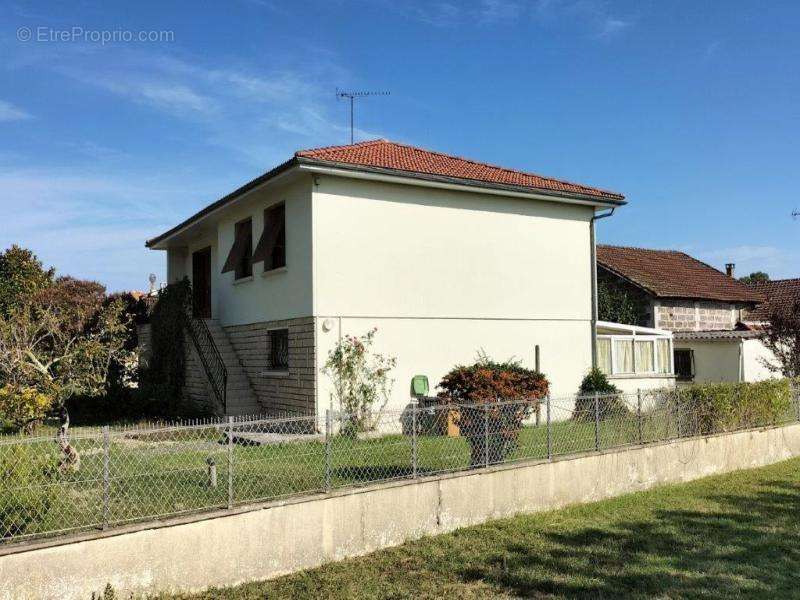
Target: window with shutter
{"points": [[240, 258], [271, 248]]}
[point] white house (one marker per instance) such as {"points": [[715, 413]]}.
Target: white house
{"points": [[444, 255]]}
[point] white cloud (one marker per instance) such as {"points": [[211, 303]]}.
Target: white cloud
{"points": [[611, 26], [9, 112]]}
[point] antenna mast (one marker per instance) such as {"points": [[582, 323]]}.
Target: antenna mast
{"points": [[352, 96]]}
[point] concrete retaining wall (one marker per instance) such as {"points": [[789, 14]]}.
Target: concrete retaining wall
{"points": [[265, 541]]}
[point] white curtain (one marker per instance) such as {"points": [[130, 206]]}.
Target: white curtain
{"points": [[663, 356], [624, 350], [644, 357], [604, 355]]}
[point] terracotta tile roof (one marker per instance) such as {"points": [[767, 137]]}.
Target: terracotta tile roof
{"points": [[780, 294], [673, 274], [391, 155]]}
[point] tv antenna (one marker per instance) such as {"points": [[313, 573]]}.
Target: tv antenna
{"points": [[352, 96]]}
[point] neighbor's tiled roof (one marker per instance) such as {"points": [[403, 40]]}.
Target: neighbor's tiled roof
{"points": [[384, 154], [781, 294], [732, 334], [673, 274]]}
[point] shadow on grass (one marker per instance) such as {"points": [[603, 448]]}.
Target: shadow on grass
{"points": [[747, 546]]}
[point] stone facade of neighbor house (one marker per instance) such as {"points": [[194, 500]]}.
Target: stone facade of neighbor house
{"points": [[696, 315], [425, 247]]}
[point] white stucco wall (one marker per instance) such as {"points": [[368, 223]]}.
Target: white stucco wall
{"points": [[715, 361], [754, 353], [632, 384], [446, 274], [282, 294]]}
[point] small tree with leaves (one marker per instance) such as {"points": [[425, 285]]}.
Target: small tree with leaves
{"points": [[21, 277], [782, 337], [63, 342], [755, 277]]}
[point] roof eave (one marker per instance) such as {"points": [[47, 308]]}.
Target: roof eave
{"points": [[595, 200], [221, 203]]}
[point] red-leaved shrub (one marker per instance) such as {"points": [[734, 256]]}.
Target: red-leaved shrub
{"points": [[491, 401]]}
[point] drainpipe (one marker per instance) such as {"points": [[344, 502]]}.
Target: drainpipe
{"points": [[593, 244]]}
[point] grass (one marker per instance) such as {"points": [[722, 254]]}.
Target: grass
{"points": [[152, 476], [729, 536]]}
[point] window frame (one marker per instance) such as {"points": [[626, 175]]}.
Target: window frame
{"points": [[642, 338], [271, 349], [244, 266], [691, 374]]}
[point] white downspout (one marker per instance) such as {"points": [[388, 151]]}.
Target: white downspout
{"points": [[593, 251]]}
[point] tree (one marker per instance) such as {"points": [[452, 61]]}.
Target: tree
{"points": [[782, 337], [21, 276], [619, 304], [62, 342], [755, 277]]}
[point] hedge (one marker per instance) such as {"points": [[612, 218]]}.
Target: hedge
{"points": [[718, 407]]}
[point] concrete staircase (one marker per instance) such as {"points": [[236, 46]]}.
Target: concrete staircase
{"points": [[241, 398]]}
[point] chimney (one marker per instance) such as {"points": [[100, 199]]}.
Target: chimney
{"points": [[730, 268]]}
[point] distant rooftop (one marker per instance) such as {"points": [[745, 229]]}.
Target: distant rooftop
{"points": [[673, 274]]}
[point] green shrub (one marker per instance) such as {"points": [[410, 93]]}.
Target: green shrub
{"points": [[22, 408], [487, 382], [163, 381], [717, 407], [609, 400], [27, 493]]}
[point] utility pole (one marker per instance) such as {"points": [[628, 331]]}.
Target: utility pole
{"points": [[352, 96]]}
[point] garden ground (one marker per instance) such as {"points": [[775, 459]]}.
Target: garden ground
{"points": [[728, 536]]}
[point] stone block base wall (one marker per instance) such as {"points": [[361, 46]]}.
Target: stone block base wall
{"points": [[688, 315], [290, 392]]}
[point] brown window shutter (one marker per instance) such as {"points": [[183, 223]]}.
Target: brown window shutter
{"points": [[274, 222], [238, 249]]}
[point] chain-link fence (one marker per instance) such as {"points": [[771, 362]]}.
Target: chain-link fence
{"points": [[143, 473]]}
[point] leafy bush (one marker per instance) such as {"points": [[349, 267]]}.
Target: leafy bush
{"points": [[487, 382], [163, 382], [609, 400], [22, 408], [27, 473], [719, 407], [360, 380]]}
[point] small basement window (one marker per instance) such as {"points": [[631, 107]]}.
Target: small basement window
{"points": [[271, 247], [278, 351], [240, 258]]}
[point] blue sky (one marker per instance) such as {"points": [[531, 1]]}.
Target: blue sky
{"points": [[692, 109]]}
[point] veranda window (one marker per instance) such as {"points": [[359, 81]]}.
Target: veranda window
{"points": [[634, 354]]}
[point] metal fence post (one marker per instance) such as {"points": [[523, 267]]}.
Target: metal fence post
{"points": [[597, 421], [328, 448], [230, 462], [549, 431], [639, 414], [414, 440], [486, 435], [106, 476]]}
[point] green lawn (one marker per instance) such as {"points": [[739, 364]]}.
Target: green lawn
{"points": [[730, 536], [167, 474]]}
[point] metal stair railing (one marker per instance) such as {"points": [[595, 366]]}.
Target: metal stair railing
{"points": [[210, 357]]}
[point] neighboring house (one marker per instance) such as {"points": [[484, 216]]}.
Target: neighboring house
{"points": [[444, 255], [780, 294], [704, 308]]}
